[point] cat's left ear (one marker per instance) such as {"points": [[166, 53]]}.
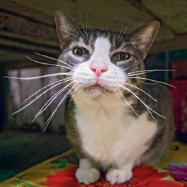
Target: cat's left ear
{"points": [[66, 29], [143, 37]]}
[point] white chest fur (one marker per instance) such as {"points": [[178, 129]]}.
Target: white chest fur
{"points": [[109, 134]]}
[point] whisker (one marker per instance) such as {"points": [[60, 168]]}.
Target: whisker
{"points": [[36, 98], [82, 21], [78, 86], [152, 81], [148, 108], [69, 33], [53, 59], [124, 31], [87, 23], [69, 62], [75, 23], [62, 81], [49, 101], [49, 119], [141, 102], [147, 71], [48, 63], [115, 91], [123, 97], [127, 68], [54, 97], [38, 77], [141, 90], [120, 32]]}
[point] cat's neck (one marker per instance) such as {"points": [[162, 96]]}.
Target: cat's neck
{"points": [[109, 105]]}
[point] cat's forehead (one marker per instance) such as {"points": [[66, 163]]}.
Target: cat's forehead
{"points": [[102, 46], [94, 39]]}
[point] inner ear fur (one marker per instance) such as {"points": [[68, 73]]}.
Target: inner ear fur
{"points": [[143, 37], [66, 29]]}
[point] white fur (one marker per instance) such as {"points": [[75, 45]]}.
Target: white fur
{"points": [[118, 175], [114, 77], [111, 136], [109, 133], [85, 173]]}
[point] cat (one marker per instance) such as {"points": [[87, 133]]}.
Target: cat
{"points": [[115, 119]]}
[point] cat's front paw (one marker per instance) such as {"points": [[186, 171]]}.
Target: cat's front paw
{"points": [[87, 176], [118, 176]]}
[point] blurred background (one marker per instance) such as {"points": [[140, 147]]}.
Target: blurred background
{"points": [[27, 27]]}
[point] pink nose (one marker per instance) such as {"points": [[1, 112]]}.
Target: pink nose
{"points": [[98, 69]]}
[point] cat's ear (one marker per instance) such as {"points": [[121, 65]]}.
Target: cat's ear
{"points": [[143, 37], [66, 29]]}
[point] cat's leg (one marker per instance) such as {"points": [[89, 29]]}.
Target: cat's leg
{"points": [[118, 175], [86, 173]]}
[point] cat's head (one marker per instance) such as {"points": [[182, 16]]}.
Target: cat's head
{"points": [[101, 62]]}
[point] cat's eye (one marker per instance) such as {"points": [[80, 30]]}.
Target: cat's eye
{"points": [[122, 56], [78, 51]]}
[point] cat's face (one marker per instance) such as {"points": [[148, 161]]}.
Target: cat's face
{"points": [[102, 61]]}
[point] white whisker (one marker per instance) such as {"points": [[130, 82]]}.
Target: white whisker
{"points": [[49, 119], [62, 81], [146, 71], [54, 59], [75, 23], [69, 33], [54, 97], [48, 103], [82, 21], [48, 63], [36, 98], [141, 90], [38, 77], [128, 68], [152, 81], [124, 31], [148, 108], [123, 97], [120, 32], [76, 88], [70, 62], [87, 23]]}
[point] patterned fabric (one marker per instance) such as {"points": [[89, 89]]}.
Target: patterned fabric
{"points": [[60, 171]]}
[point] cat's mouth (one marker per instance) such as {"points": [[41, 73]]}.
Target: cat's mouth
{"points": [[97, 91], [98, 86]]}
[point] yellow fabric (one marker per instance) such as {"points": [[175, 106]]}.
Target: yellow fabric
{"points": [[174, 155]]}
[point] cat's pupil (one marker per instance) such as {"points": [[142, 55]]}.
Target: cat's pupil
{"points": [[79, 52]]}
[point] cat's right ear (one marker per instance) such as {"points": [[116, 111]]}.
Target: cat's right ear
{"points": [[66, 29]]}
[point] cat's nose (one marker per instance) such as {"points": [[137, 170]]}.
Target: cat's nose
{"points": [[98, 69]]}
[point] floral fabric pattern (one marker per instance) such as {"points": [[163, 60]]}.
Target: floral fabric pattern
{"points": [[142, 176]]}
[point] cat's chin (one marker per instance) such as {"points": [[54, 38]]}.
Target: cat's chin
{"points": [[97, 92]]}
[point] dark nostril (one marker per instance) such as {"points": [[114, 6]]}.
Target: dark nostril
{"points": [[93, 69], [104, 70]]}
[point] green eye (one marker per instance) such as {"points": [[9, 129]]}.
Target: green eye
{"points": [[122, 56], [80, 51]]}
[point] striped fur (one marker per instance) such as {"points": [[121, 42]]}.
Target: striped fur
{"points": [[113, 132]]}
